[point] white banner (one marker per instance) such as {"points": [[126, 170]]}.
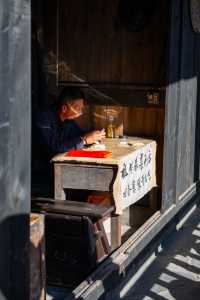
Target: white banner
{"points": [[137, 175]]}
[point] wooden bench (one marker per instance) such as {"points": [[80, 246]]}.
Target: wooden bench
{"points": [[76, 241]]}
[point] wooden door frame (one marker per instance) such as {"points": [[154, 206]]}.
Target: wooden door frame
{"points": [[171, 111], [182, 42], [15, 153]]}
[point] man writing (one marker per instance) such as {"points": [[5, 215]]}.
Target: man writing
{"points": [[55, 131]]}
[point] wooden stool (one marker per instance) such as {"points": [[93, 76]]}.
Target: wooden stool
{"points": [[75, 238]]}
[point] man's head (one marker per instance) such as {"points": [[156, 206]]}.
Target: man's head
{"points": [[71, 103]]}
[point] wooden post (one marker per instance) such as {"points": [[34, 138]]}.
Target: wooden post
{"points": [[37, 258], [58, 189], [115, 231], [15, 142]]}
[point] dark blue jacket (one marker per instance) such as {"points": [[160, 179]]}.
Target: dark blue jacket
{"points": [[52, 136]]}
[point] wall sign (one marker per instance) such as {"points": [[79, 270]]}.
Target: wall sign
{"points": [[136, 175]]}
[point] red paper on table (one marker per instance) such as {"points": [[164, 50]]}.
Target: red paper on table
{"points": [[85, 153]]}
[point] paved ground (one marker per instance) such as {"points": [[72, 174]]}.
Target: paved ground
{"points": [[175, 274]]}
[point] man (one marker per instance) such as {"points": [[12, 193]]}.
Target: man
{"points": [[55, 131]]}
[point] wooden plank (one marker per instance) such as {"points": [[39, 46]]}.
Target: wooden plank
{"points": [[104, 240], [126, 94], [86, 177], [172, 99], [181, 110], [118, 55], [137, 121], [37, 258], [187, 107], [15, 143], [116, 233], [197, 135], [58, 187], [71, 207]]}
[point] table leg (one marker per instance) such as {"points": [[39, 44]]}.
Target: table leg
{"points": [[115, 231], [153, 196], [59, 193]]}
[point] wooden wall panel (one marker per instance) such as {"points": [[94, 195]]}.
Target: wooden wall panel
{"points": [[172, 99], [96, 48], [86, 42], [145, 121], [197, 138], [187, 107], [181, 103]]}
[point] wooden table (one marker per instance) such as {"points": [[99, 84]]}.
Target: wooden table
{"points": [[105, 174]]}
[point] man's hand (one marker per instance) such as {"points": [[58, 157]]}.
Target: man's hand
{"points": [[94, 136]]}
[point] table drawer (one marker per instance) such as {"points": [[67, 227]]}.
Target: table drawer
{"points": [[87, 177]]}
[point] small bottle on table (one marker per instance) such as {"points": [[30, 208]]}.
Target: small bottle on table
{"points": [[110, 129]]}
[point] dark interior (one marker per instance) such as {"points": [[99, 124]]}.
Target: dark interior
{"points": [[116, 51]]}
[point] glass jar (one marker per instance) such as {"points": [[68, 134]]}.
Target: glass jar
{"points": [[110, 129]]}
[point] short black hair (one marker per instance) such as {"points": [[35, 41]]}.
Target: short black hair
{"points": [[70, 93]]}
